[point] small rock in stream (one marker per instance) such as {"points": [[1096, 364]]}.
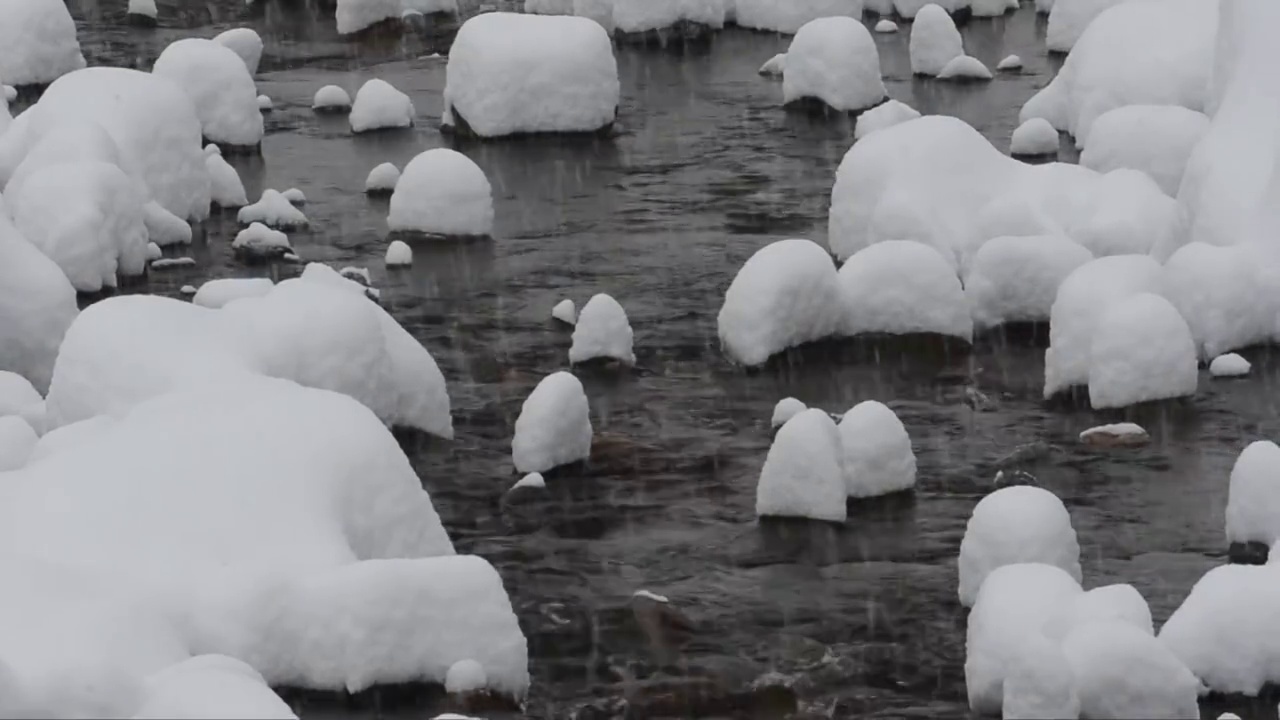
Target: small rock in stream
{"points": [[1116, 435]]}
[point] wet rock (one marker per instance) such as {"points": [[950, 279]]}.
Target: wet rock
{"points": [[978, 400], [1026, 454], [613, 454], [1121, 435], [665, 628], [683, 34], [1014, 477], [1248, 553]]}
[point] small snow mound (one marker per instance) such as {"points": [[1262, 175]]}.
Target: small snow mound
{"points": [[465, 676], [1115, 435], [442, 192], [965, 67], [887, 114], [833, 59], [352, 16], [265, 104], [775, 65], [1019, 524], [188, 290], [295, 196], [272, 210], [788, 17], [565, 311], [16, 393], [382, 179], [532, 480], [602, 332], [331, 99], [244, 42], [17, 440], [1034, 137], [399, 254], [258, 240], [220, 87], [144, 10], [1142, 350], [1123, 672], [786, 409], [935, 41], [1015, 279], [1156, 139], [154, 252], [886, 26], [225, 188], [801, 476], [876, 451], [380, 106], [37, 42], [1010, 62], [902, 287], [216, 293], [554, 426], [1253, 496], [1229, 365]]}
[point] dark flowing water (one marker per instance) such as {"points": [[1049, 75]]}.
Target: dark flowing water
{"points": [[861, 620]]}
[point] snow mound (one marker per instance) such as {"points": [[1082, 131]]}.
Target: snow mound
{"points": [[1109, 603], [566, 312], [331, 98], [785, 295], [877, 458], [273, 210], [143, 11], [902, 287], [294, 196], [532, 480], [399, 254], [244, 42], [886, 25], [380, 106], [1037, 137], [1083, 298], [210, 686], [935, 41], [216, 293], [1224, 294], [1123, 672], [1142, 350], [17, 440], [37, 42], [571, 75], [1016, 279], [352, 16], [1039, 683], [442, 192], [220, 88], [265, 104], [786, 409], [801, 476], [382, 179], [885, 115], [554, 426], [225, 188], [1229, 365], [1113, 434], [965, 67], [789, 17], [1156, 139], [260, 240], [1253, 500], [602, 332], [1068, 20], [37, 305], [66, 141], [638, 16], [465, 676], [910, 9], [775, 65], [1010, 62], [1017, 524], [834, 59], [16, 393]]}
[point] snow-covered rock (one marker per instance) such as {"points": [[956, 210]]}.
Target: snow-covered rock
{"points": [[1018, 524], [935, 41], [565, 311], [910, 9], [1224, 294], [1036, 137], [877, 458], [571, 75], [1115, 435], [17, 440], [885, 25], [244, 42], [37, 42], [1229, 365], [16, 393], [272, 210], [640, 16], [801, 476], [1156, 139], [220, 88], [787, 294], [775, 65], [352, 16], [532, 480], [210, 685], [1253, 498], [833, 59], [142, 12], [66, 141], [442, 192], [465, 676], [37, 305], [259, 241], [1039, 684], [265, 104], [992, 8], [887, 114], [1068, 20], [382, 179], [1128, 215], [294, 196], [399, 254], [1083, 298], [554, 426], [1142, 350], [154, 252], [1016, 279], [901, 287], [216, 293], [225, 188], [965, 67], [788, 17], [1010, 62], [164, 228], [331, 99], [380, 106], [1123, 672], [1109, 603], [786, 409], [602, 332]]}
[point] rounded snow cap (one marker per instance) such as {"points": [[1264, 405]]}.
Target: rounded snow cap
{"points": [[786, 409], [602, 332], [801, 475], [877, 454], [1018, 524]]}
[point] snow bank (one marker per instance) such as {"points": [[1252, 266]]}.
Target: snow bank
{"points": [[602, 332], [210, 686], [876, 453], [37, 305], [225, 188], [887, 114], [775, 65], [352, 16], [216, 293], [787, 294], [380, 106], [901, 287], [17, 440], [1016, 279], [331, 98], [935, 41], [638, 16], [382, 179], [964, 67], [1083, 297], [1068, 20], [1253, 499], [37, 42], [1156, 139], [1036, 137], [566, 312], [399, 254], [788, 17], [1122, 672], [1142, 350], [220, 87], [442, 192], [244, 42], [834, 59], [554, 427], [571, 75], [1229, 365], [801, 476], [1017, 524], [1224, 294], [273, 210]]}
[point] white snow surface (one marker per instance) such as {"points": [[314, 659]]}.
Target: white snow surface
{"points": [[532, 480], [1036, 137], [597, 11], [37, 42], [935, 41], [331, 97], [380, 106], [1124, 429], [965, 67], [786, 294], [244, 42], [801, 476], [786, 409], [207, 686], [144, 8], [1142, 350], [442, 192], [16, 393], [352, 16], [1229, 365], [225, 188], [1156, 139], [1016, 279], [901, 287], [1039, 684], [549, 7], [876, 454], [565, 311], [272, 210], [220, 87], [567, 75], [554, 427], [602, 332], [1017, 524], [213, 294], [835, 60], [1226, 294], [1253, 497], [17, 440], [910, 9], [1083, 298], [382, 179], [788, 17], [1122, 672], [1010, 62], [887, 114], [399, 254], [885, 25], [1068, 20], [465, 676], [37, 305], [260, 238], [1109, 603], [636, 16], [775, 65]]}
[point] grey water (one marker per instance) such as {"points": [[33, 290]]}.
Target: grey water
{"points": [[856, 620]]}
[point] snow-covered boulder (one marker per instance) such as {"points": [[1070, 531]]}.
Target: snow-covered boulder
{"points": [[264, 104], [1036, 137], [901, 287], [1123, 672], [935, 41], [1156, 139], [142, 13], [382, 179], [566, 312], [1128, 214], [1016, 279], [37, 42], [1068, 20], [212, 685], [554, 427], [1009, 62], [295, 197], [399, 254], [17, 440], [602, 333], [380, 106], [572, 76], [774, 66], [965, 67], [877, 458], [442, 192], [1039, 683], [834, 60], [801, 476], [220, 87], [638, 17], [272, 210], [1223, 294], [885, 25], [1253, 497], [1228, 366], [37, 305], [258, 242], [352, 16], [16, 393], [216, 293], [1083, 297], [1142, 350], [786, 409], [465, 676], [788, 17], [331, 99], [244, 42], [1124, 434], [910, 9], [787, 294], [225, 188], [887, 114], [1017, 524]]}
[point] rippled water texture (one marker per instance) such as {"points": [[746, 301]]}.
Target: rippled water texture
{"points": [[863, 618]]}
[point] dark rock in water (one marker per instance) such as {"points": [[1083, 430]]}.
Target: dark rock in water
{"points": [[818, 107], [684, 34], [136, 20], [227, 149], [258, 254], [613, 454], [1249, 553], [1014, 477], [422, 699], [460, 128], [978, 400], [664, 626], [524, 507]]}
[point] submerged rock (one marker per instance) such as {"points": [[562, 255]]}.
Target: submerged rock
{"points": [[1115, 435]]}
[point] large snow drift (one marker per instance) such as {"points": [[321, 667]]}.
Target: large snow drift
{"points": [[37, 42], [1142, 350], [37, 305], [442, 192], [1017, 524], [220, 87], [801, 476], [876, 454], [569, 78], [554, 426], [935, 41], [790, 16], [1253, 497], [833, 59], [1156, 139], [901, 287], [1016, 279]]}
